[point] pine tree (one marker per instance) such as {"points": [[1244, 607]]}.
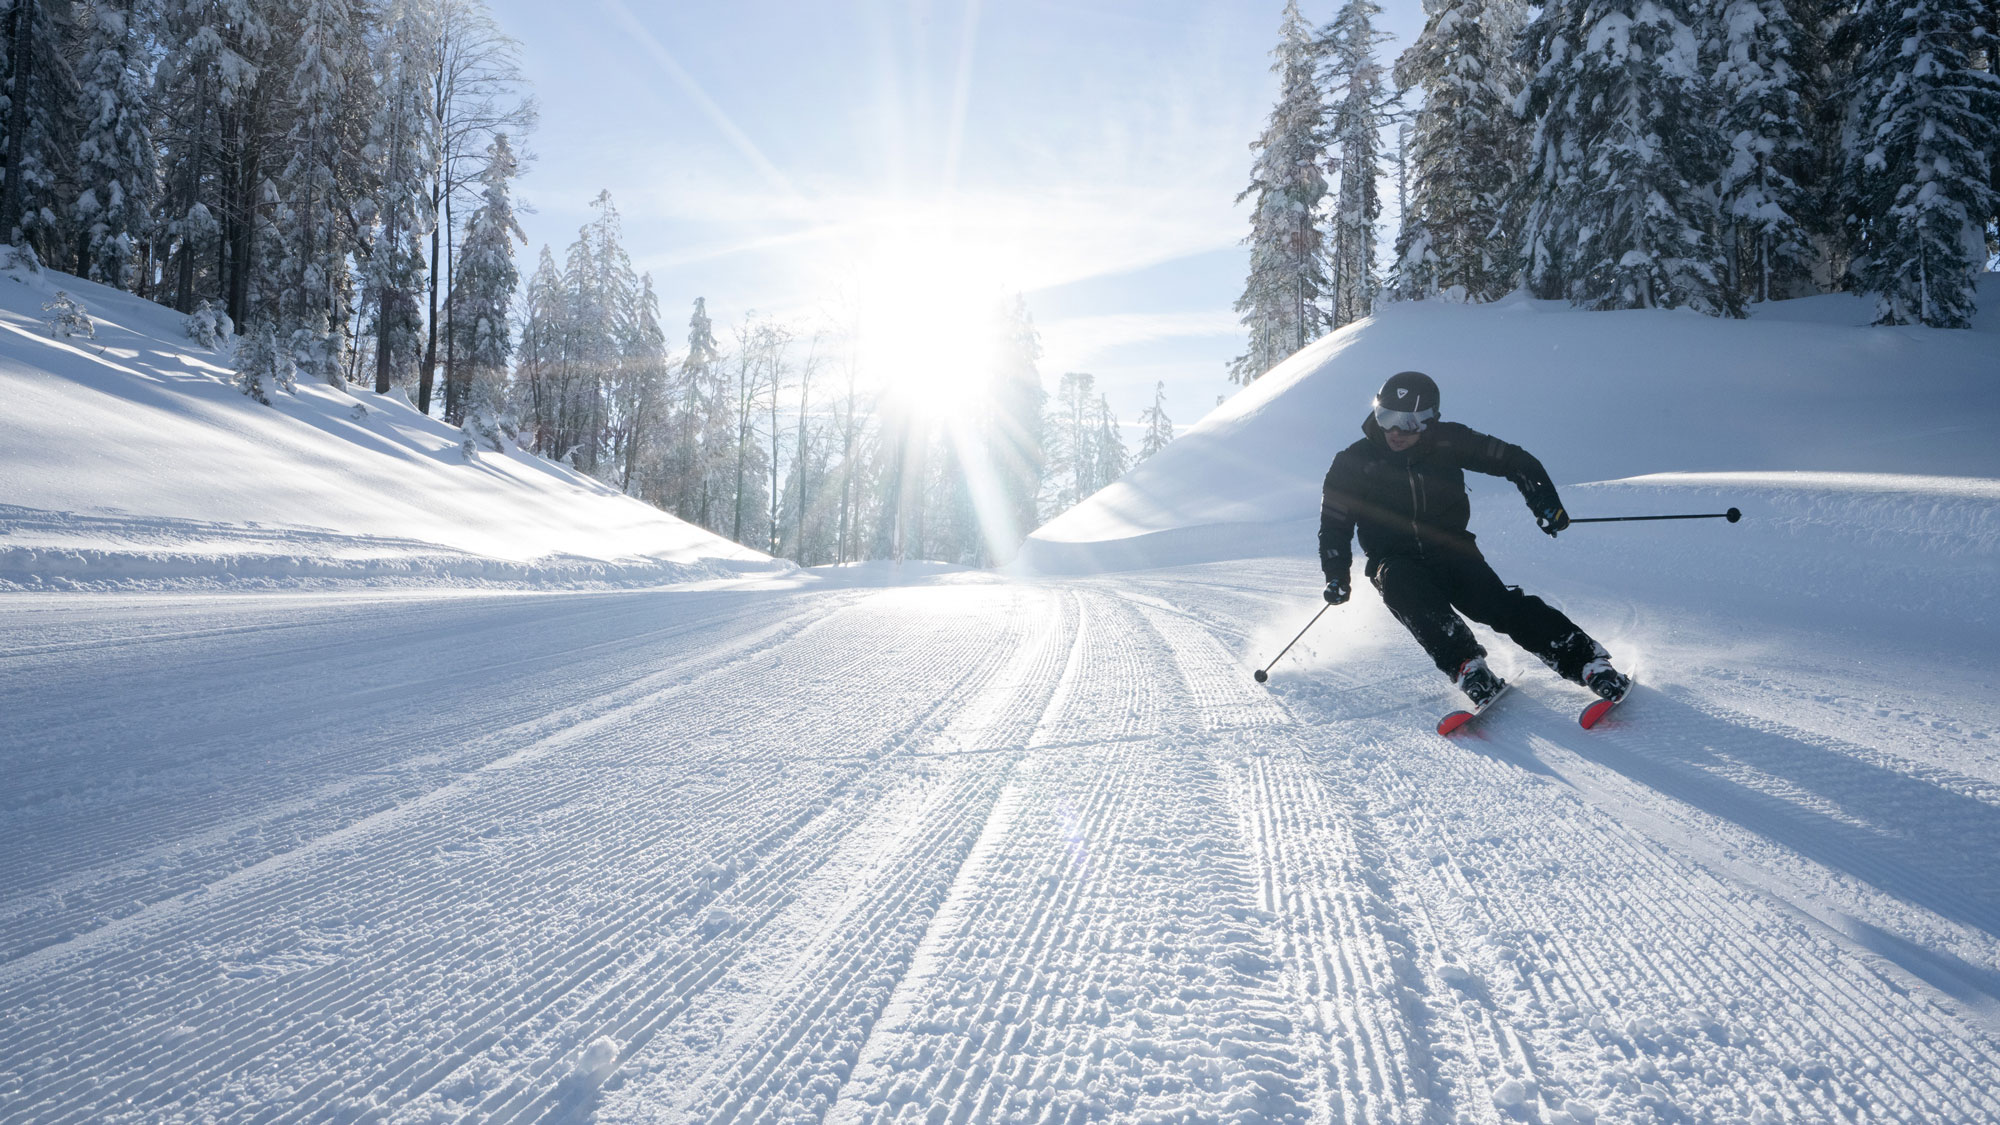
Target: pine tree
{"points": [[1159, 427], [41, 126], [1921, 123], [263, 366], [1075, 460], [705, 430], [1015, 438], [313, 283], [483, 292], [535, 353], [1764, 192], [403, 140], [475, 96], [1280, 301], [115, 159], [211, 135], [1464, 150], [1109, 458], [1623, 159], [1361, 107], [641, 384]]}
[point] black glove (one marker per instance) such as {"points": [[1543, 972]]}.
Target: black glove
{"points": [[1552, 520], [1336, 591]]}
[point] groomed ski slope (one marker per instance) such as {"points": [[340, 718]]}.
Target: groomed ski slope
{"points": [[972, 849]]}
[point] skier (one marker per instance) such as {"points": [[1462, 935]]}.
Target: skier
{"points": [[1402, 487]]}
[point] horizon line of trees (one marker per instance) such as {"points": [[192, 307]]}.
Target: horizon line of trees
{"points": [[1625, 154], [778, 439]]}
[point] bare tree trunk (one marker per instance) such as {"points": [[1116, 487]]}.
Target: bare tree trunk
{"points": [[429, 371], [21, 50]]}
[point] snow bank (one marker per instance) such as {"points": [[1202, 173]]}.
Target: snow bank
{"points": [[1905, 555], [130, 460], [1803, 385]]}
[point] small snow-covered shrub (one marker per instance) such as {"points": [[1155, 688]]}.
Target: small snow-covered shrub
{"points": [[489, 429], [263, 367], [66, 316], [208, 325]]}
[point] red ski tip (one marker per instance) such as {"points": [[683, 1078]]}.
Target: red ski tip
{"points": [[1453, 721], [1595, 712]]}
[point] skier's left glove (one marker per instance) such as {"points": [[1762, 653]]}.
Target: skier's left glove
{"points": [[1336, 591], [1552, 520]]}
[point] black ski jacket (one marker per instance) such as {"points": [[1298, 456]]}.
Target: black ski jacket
{"points": [[1413, 503]]}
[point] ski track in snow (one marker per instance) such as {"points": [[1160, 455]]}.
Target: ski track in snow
{"points": [[971, 852]]}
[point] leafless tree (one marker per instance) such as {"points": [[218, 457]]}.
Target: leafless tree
{"points": [[476, 91]]}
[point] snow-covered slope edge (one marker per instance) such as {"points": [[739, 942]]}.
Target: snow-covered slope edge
{"points": [[1803, 385], [131, 461]]}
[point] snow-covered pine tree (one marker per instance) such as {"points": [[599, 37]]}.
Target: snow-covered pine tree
{"points": [[1624, 159], [1159, 427], [1765, 193], [602, 292], [65, 316], [641, 405], [41, 126], [116, 163], [403, 145], [1361, 107], [1465, 148], [206, 91], [1015, 438], [329, 95], [475, 95], [706, 428], [1109, 458], [263, 365], [1280, 302], [539, 365], [1921, 122], [483, 292]]}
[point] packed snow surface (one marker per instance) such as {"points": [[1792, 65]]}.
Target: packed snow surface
{"points": [[131, 460], [914, 844]]}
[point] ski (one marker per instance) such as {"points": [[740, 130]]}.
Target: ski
{"points": [[1457, 719], [1600, 708]]}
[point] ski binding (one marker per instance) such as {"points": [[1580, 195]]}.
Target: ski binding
{"points": [[1452, 722], [1602, 707]]}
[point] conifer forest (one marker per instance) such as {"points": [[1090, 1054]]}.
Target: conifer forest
{"points": [[1626, 154]]}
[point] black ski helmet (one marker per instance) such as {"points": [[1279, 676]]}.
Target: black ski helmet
{"points": [[1407, 393]]}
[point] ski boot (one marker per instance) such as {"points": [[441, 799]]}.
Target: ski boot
{"points": [[1608, 682], [1478, 682]]}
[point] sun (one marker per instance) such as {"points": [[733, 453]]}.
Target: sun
{"points": [[928, 311]]}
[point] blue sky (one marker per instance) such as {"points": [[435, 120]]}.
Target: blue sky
{"points": [[781, 155]]}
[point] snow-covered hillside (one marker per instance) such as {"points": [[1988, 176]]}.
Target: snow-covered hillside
{"points": [[131, 460], [1803, 385]]}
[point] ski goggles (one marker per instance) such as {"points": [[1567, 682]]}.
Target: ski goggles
{"points": [[1409, 421]]}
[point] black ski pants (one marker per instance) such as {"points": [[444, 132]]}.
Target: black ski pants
{"points": [[1428, 594]]}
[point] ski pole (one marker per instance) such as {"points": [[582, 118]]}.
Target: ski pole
{"points": [[1264, 673], [1732, 515]]}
